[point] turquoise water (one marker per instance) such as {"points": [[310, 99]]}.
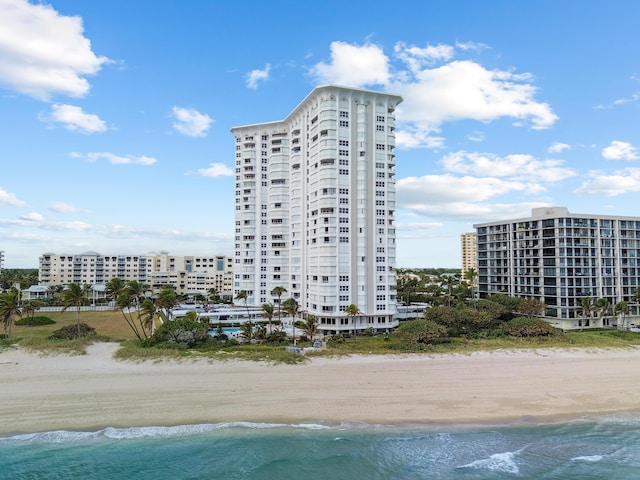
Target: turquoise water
{"points": [[590, 448]]}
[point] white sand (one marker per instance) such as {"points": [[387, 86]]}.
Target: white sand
{"points": [[88, 392]]}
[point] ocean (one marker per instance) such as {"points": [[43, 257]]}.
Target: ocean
{"points": [[587, 448]]}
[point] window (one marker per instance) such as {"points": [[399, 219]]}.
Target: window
{"points": [[344, 123], [380, 146], [343, 143], [379, 118], [344, 114], [380, 128]]}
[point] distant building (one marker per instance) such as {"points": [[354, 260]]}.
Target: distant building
{"points": [[1, 260], [561, 258], [315, 208], [469, 252], [187, 274]]}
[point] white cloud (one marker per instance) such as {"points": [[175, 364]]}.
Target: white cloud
{"points": [[417, 58], [74, 119], [419, 226], [611, 185], [442, 189], [115, 159], [433, 95], [466, 90], [410, 137], [62, 207], [461, 198], [354, 66], [476, 136], [32, 217], [482, 212], [10, 199], [190, 122], [620, 101], [256, 76], [44, 53], [558, 147], [517, 167], [216, 170], [620, 151]]}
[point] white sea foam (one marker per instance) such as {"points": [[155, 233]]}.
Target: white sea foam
{"points": [[588, 458], [112, 433], [499, 462]]}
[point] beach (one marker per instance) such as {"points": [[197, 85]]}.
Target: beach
{"points": [[92, 391]]}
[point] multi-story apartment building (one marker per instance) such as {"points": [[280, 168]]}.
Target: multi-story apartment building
{"points": [[469, 252], [1, 260], [315, 208], [560, 258], [187, 274]]}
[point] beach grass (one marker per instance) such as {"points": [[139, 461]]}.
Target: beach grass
{"points": [[110, 326]]}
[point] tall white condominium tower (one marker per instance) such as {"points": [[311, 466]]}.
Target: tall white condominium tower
{"points": [[315, 202]]}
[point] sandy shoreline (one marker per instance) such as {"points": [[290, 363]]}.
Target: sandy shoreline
{"points": [[89, 392]]}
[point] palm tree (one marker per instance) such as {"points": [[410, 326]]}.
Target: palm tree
{"points": [[278, 292], [603, 308], [353, 311], [115, 287], [635, 298], [471, 275], [75, 296], [310, 327], [9, 309], [214, 295], [147, 315], [587, 307], [267, 312], [167, 299], [243, 295], [124, 303], [449, 281], [622, 308], [291, 307]]}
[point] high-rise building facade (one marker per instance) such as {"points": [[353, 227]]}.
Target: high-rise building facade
{"points": [[315, 208], [560, 258], [469, 252]]}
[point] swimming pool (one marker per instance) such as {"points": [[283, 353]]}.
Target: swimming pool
{"points": [[231, 331]]}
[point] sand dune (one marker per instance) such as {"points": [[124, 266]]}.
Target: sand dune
{"points": [[87, 392]]}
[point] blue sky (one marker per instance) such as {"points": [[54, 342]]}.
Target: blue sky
{"points": [[116, 115]]}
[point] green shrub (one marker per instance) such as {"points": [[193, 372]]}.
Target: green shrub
{"points": [[528, 327], [35, 321], [71, 332], [336, 339], [182, 332], [421, 332]]}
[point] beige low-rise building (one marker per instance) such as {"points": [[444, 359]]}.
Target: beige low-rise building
{"points": [[187, 274]]}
